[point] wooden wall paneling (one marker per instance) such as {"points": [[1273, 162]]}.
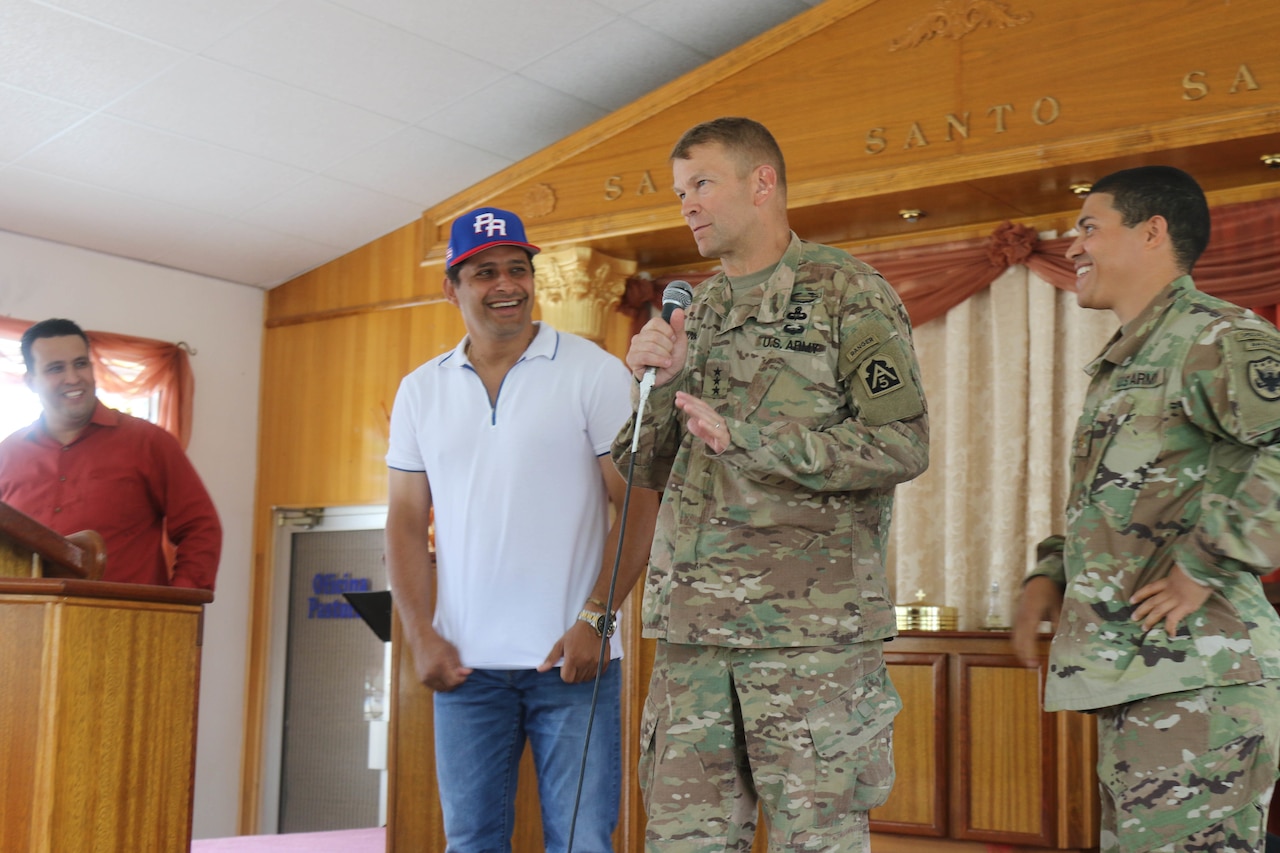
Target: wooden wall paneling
{"points": [[918, 804], [413, 814], [1006, 753], [327, 416], [382, 274]]}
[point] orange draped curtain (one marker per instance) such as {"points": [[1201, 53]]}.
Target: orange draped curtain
{"points": [[166, 372], [1241, 265]]}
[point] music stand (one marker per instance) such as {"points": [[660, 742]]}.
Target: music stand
{"points": [[375, 609]]}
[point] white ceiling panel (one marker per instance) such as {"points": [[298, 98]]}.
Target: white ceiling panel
{"points": [[228, 106], [352, 58], [625, 7], [91, 217], [501, 33], [187, 24], [713, 27], [419, 166], [334, 212], [238, 251], [30, 120], [596, 71], [515, 117], [64, 56], [251, 140], [131, 158]]}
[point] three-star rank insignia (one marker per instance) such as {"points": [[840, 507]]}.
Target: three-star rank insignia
{"points": [[1264, 378], [880, 375]]}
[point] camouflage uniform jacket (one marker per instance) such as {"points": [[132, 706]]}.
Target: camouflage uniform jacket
{"points": [[779, 541], [1176, 461]]}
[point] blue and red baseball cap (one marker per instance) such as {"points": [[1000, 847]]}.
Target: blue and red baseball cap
{"points": [[482, 229]]}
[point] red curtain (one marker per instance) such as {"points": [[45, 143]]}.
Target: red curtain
{"points": [[1241, 265], [166, 372]]}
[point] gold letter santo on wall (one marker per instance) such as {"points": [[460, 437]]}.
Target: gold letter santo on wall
{"points": [[875, 140], [1046, 110], [1195, 86], [1245, 76], [613, 188]]}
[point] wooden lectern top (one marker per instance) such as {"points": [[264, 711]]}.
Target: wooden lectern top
{"points": [[29, 549], [107, 590]]}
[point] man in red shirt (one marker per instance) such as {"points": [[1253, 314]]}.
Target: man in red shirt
{"points": [[82, 466]]}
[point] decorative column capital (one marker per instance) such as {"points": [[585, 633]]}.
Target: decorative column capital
{"points": [[577, 287]]}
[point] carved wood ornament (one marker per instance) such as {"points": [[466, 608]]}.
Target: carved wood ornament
{"points": [[955, 19]]}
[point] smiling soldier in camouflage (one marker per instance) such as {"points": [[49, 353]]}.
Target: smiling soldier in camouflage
{"points": [[1163, 626]]}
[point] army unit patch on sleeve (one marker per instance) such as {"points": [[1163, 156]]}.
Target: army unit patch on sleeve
{"points": [[1252, 361], [880, 375], [1264, 377], [885, 389]]}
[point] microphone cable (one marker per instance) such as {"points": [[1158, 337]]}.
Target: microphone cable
{"points": [[678, 294], [604, 645]]}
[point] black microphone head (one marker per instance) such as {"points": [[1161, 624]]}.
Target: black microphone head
{"points": [[677, 294]]}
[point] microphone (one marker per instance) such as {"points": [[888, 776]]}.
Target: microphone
{"points": [[677, 294]]}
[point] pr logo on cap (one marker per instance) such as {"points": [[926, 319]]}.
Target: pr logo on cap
{"points": [[490, 225], [482, 229]]}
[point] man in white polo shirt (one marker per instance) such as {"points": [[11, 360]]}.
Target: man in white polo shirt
{"points": [[507, 437]]}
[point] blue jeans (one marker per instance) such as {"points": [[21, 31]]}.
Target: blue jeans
{"points": [[480, 730]]}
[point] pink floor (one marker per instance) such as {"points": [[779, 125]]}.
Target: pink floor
{"points": [[340, 841]]}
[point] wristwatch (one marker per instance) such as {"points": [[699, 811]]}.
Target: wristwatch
{"points": [[603, 624]]}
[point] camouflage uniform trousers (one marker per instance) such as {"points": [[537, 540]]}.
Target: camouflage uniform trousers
{"points": [[807, 732], [1190, 771]]}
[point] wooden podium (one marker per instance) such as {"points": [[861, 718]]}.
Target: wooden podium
{"points": [[99, 685]]}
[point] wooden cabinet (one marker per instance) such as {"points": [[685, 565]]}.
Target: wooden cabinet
{"points": [[977, 758], [99, 687]]}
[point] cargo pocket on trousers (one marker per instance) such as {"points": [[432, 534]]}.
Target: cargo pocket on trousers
{"points": [[853, 743], [1170, 803], [648, 730]]}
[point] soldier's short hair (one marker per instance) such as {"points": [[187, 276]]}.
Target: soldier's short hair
{"points": [[747, 139], [1146, 191], [52, 328]]}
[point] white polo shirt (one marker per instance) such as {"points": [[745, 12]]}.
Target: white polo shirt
{"points": [[521, 511]]}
